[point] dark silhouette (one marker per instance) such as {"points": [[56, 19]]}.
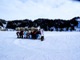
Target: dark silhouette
{"points": [[46, 24]]}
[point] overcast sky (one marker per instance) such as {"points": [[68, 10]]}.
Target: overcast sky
{"points": [[33, 9]]}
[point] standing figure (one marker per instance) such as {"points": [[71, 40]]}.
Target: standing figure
{"points": [[38, 34], [24, 34], [21, 34], [42, 34], [28, 34], [18, 34]]}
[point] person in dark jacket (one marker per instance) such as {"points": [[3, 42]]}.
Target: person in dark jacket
{"points": [[38, 34], [21, 34], [18, 34]]}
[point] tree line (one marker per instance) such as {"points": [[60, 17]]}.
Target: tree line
{"points": [[46, 24]]}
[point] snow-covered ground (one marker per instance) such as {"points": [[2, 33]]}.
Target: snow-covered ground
{"points": [[56, 46]]}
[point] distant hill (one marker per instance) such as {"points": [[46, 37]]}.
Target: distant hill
{"points": [[46, 24]]}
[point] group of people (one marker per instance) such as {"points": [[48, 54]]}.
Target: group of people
{"points": [[30, 34]]}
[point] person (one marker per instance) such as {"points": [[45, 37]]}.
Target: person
{"points": [[33, 34], [24, 34], [28, 34], [18, 34], [38, 34], [42, 34], [21, 34]]}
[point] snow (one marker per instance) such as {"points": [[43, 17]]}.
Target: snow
{"points": [[56, 46]]}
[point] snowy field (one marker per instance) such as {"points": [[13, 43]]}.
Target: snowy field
{"points": [[56, 46]]}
